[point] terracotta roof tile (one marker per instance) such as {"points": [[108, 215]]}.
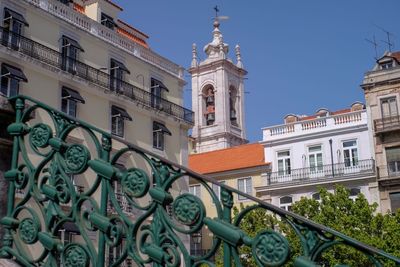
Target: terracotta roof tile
{"points": [[238, 157]]}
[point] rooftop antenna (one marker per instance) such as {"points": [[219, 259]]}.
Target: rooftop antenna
{"points": [[375, 44], [388, 41]]}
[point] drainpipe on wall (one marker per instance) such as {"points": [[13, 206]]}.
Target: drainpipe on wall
{"points": [[333, 170]]}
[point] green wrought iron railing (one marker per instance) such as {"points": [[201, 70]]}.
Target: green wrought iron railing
{"points": [[47, 153]]}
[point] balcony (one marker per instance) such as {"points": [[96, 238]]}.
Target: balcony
{"points": [[350, 119], [387, 124], [123, 204], [55, 59], [115, 38], [322, 173]]}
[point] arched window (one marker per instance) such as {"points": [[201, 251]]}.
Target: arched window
{"points": [[232, 105], [209, 104], [286, 203]]}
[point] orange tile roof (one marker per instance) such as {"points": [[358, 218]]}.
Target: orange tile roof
{"points": [[234, 158]]}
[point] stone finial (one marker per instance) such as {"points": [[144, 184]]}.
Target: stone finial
{"points": [[239, 63], [194, 56], [221, 48]]}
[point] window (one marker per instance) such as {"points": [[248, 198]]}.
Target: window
{"points": [[316, 196], [245, 186], [209, 100], [389, 107], [350, 153], [69, 100], [284, 162], [393, 160], [118, 117], [117, 70], [195, 190], [10, 78], [386, 65], [69, 54], [394, 201], [286, 203], [232, 106], [107, 21], [13, 24], [217, 189], [315, 158], [159, 130], [354, 193], [156, 93]]}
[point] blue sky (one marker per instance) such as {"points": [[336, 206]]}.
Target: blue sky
{"points": [[300, 55]]}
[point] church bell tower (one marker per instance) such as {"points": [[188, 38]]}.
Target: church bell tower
{"points": [[217, 96]]}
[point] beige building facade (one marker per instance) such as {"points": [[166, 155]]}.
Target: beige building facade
{"points": [[382, 93], [79, 57]]}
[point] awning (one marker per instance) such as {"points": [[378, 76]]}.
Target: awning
{"points": [[69, 93], [13, 72], [10, 14], [71, 227], [161, 127], [116, 111], [159, 84], [73, 43], [120, 65]]}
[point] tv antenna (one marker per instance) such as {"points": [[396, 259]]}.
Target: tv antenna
{"points": [[375, 44], [389, 42]]}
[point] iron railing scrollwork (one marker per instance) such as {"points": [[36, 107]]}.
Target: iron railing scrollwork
{"points": [[56, 59], [43, 161]]}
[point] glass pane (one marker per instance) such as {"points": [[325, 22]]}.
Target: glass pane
{"points": [[395, 201], [346, 157], [287, 163], [350, 143], [314, 149], [393, 107], [312, 161], [14, 84], [392, 154], [248, 186], [280, 165], [319, 159], [285, 200], [241, 185], [354, 156], [283, 154]]}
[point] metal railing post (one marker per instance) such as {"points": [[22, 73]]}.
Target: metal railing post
{"points": [[227, 202], [105, 156]]}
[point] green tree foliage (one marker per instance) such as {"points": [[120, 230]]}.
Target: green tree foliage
{"points": [[357, 219]]}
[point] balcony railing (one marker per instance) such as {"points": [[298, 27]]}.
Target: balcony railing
{"points": [[317, 124], [322, 173], [123, 204], [387, 124], [56, 59]]}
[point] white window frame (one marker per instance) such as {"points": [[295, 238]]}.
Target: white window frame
{"points": [[71, 106], [217, 190], [246, 186], [354, 197], [317, 166], [352, 161], [286, 206], [195, 190], [286, 162]]}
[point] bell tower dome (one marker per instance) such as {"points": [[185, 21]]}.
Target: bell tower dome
{"points": [[218, 96]]}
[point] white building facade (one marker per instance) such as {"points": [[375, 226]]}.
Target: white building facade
{"points": [[325, 149]]}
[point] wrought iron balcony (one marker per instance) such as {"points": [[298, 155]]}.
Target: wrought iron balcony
{"points": [[151, 238], [322, 173], [387, 124], [56, 59]]}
